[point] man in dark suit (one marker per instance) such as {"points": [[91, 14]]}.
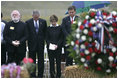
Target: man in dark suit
{"points": [[15, 35], [66, 24], [3, 43], [37, 30]]}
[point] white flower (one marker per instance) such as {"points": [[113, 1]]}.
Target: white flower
{"points": [[77, 45], [86, 25], [110, 29], [110, 58], [100, 17], [72, 43], [93, 54], [92, 10], [82, 46], [86, 52], [114, 13], [90, 39], [108, 70], [77, 35], [74, 22], [104, 17], [79, 23], [77, 30], [99, 60], [94, 29], [92, 21], [87, 17], [85, 31], [99, 25], [83, 38], [82, 59], [85, 65], [113, 49], [77, 51]]}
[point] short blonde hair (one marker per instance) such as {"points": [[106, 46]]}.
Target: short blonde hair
{"points": [[53, 18]]}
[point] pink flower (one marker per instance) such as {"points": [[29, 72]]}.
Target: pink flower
{"points": [[28, 60]]}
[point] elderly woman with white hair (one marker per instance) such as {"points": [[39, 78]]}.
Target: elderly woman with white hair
{"points": [[15, 35]]}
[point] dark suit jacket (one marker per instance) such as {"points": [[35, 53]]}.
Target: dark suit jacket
{"points": [[54, 35], [66, 24], [15, 31], [34, 38]]}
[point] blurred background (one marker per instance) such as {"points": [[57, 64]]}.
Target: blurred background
{"points": [[46, 8]]}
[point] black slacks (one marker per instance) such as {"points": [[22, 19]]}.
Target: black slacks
{"points": [[68, 59], [3, 53], [16, 56], [55, 54], [40, 55]]}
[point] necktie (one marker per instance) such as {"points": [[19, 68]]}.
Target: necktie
{"points": [[72, 21], [36, 27]]}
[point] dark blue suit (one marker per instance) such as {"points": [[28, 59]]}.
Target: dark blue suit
{"points": [[36, 43], [66, 24]]}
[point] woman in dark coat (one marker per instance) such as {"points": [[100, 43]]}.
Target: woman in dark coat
{"points": [[54, 39]]}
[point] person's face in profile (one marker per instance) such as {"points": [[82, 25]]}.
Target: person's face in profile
{"points": [[72, 12], [35, 17]]}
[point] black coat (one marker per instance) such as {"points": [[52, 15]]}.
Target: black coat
{"points": [[15, 31], [66, 24], [54, 35], [35, 39]]}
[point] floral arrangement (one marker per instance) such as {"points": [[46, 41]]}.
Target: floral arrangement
{"points": [[16, 71], [94, 41]]}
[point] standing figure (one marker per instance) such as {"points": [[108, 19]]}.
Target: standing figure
{"points": [[66, 24], [36, 30], [15, 35], [54, 39]]}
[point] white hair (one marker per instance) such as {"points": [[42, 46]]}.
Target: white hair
{"points": [[17, 18], [15, 11]]}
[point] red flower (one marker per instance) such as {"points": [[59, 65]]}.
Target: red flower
{"points": [[99, 51], [28, 60], [96, 62], [116, 53], [113, 65], [107, 50], [82, 54], [111, 54], [114, 24], [92, 14], [86, 67], [93, 44], [86, 43], [115, 30], [95, 49], [90, 33], [90, 25], [81, 27], [90, 50], [77, 42], [88, 57], [85, 21], [99, 68], [104, 13], [114, 16]]}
